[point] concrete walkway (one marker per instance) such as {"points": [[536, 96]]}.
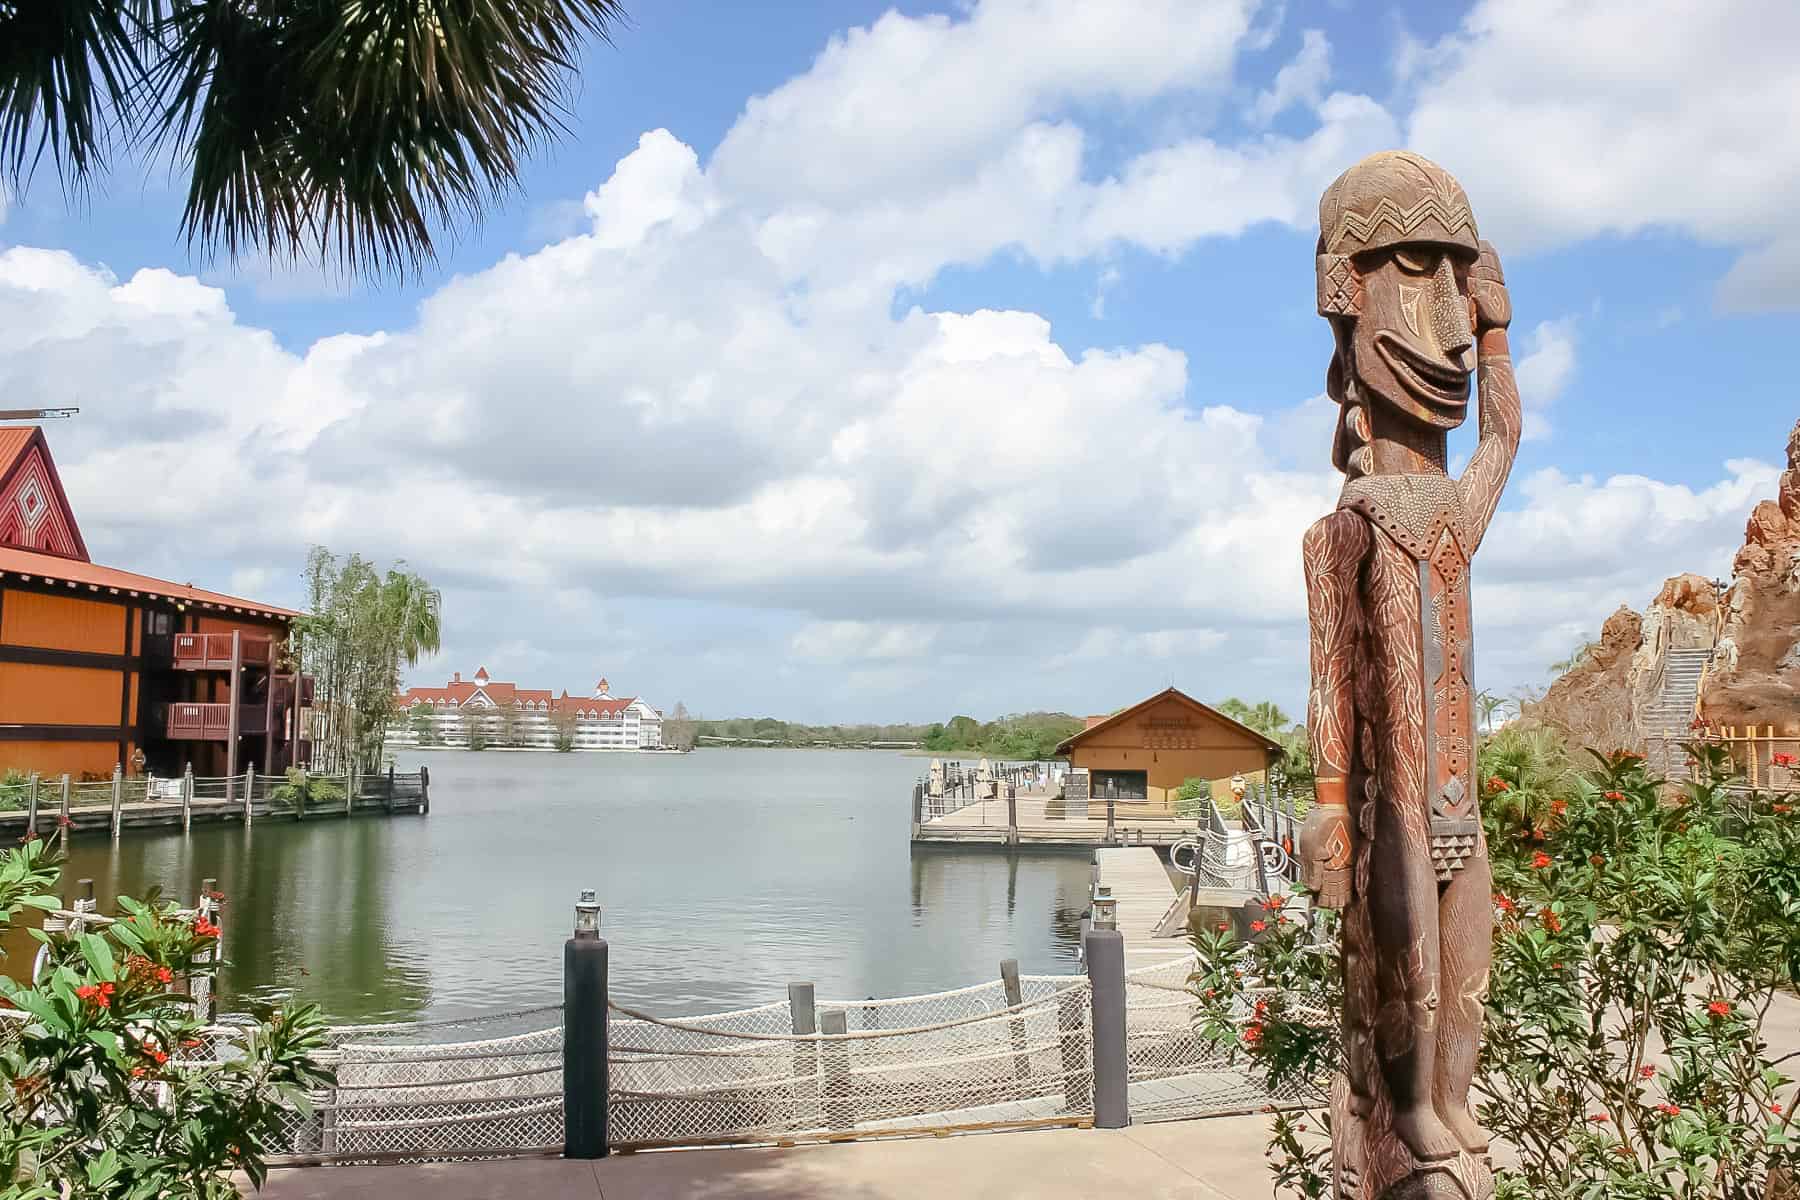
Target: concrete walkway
{"points": [[1216, 1159]]}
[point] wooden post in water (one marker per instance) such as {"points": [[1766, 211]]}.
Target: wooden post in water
{"points": [[1015, 996], [424, 789], [118, 797], [803, 1020], [31, 806], [1109, 817], [249, 792], [63, 814], [840, 1108], [187, 798], [1071, 1031], [918, 808], [390, 789], [1012, 814]]}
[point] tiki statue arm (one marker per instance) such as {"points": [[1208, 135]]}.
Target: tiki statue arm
{"points": [[1498, 396], [1333, 552]]}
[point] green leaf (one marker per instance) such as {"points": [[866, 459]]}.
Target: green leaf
{"points": [[99, 956]]}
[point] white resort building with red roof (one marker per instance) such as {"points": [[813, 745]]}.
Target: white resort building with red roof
{"points": [[482, 711]]}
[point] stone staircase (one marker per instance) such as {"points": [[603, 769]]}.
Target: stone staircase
{"points": [[1668, 718]]}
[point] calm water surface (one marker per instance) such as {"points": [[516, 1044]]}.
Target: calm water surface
{"points": [[724, 875]]}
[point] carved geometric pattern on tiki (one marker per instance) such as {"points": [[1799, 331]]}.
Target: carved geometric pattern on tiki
{"points": [[1340, 291], [1411, 509]]}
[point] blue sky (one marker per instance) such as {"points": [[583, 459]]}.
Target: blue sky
{"points": [[869, 362]]}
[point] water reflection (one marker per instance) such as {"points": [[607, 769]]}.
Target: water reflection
{"points": [[724, 875]]}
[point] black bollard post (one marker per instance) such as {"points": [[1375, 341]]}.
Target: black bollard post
{"points": [[584, 1035], [1103, 950]]}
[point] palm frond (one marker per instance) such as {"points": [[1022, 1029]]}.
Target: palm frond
{"points": [[354, 130], [70, 74]]}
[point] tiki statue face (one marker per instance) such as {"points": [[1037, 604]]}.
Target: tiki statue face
{"points": [[1397, 240]]}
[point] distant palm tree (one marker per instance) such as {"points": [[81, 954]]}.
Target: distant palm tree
{"points": [[1265, 716], [1574, 660], [342, 130]]}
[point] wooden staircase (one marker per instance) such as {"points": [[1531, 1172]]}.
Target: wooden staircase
{"points": [[1669, 718]]}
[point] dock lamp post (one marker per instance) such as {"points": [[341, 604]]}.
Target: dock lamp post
{"points": [[584, 1034], [1106, 907]]}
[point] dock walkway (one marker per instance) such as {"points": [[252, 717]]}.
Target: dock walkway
{"points": [[1042, 820], [1148, 903]]}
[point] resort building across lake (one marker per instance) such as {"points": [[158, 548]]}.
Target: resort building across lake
{"points": [[482, 711]]}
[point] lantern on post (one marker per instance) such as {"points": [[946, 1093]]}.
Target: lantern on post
{"points": [[1105, 907], [587, 915]]}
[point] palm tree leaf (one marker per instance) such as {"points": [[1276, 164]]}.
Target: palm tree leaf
{"points": [[70, 77], [354, 130]]}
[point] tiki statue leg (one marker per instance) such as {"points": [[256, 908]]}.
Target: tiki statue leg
{"points": [[1466, 916], [1403, 911]]}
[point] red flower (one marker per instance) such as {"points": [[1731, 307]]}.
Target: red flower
{"points": [[1540, 860], [1551, 921], [1776, 1109], [1252, 1034], [1782, 760], [1597, 860], [1258, 926], [1558, 807], [1505, 903], [1221, 927], [1556, 966], [164, 975], [1537, 835], [1615, 795], [205, 928], [1275, 903], [1782, 808], [1496, 785], [1669, 1110], [1719, 1008], [1598, 1118], [1647, 1072]]}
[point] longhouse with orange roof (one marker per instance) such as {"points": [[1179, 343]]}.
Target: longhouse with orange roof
{"points": [[102, 667]]}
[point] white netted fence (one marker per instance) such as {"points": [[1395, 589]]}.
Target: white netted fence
{"points": [[946, 1059], [1008, 1053], [1175, 1071]]}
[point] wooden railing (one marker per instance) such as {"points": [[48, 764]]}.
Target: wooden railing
{"points": [[212, 651], [1765, 758], [212, 722]]}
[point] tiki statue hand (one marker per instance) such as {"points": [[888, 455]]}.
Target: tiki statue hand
{"points": [[1487, 287], [1325, 855]]}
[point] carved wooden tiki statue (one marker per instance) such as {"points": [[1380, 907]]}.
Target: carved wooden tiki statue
{"points": [[1418, 304]]}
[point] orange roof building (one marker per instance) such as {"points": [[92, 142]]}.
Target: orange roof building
{"points": [[482, 711], [1146, 752], [102, 667]]}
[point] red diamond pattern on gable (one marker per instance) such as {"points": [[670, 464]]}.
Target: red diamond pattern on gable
{"points": [[34, 514]]}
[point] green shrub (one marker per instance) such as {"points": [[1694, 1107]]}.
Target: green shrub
{"points": [[106, 1096], [1642, 937]]}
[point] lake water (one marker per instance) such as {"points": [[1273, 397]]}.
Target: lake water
{"points": [[724, 874]]}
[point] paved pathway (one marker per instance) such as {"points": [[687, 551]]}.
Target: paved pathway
{"points": [[1217, 1159]]}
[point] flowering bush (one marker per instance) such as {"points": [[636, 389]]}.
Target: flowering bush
{"points": [[1643, 937], [110, 1085]]}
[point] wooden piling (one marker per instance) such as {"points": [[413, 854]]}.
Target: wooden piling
{"points": [[118, 797], [803, 1021], [390, 789], [1012, 814], [187, 798], [63, 812], [1015, 996], [31, 806], [424, 789], [249, 792], [840, 1108]]}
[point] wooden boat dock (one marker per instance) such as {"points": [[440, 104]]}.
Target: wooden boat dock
{"points": [[1010, 811]]}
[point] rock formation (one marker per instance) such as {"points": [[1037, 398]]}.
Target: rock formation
{"points": [[1610, 698], [1592, 703], [1755, 675]]}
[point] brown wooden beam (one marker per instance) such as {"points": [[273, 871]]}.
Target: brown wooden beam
{"points": [[63, 733], [44, 656]]}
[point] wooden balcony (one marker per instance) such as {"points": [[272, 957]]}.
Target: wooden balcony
{"points": [[212, 651], [212, 722]]}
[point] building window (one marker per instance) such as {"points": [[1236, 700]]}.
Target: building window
{"points": [[1121, 785]]}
